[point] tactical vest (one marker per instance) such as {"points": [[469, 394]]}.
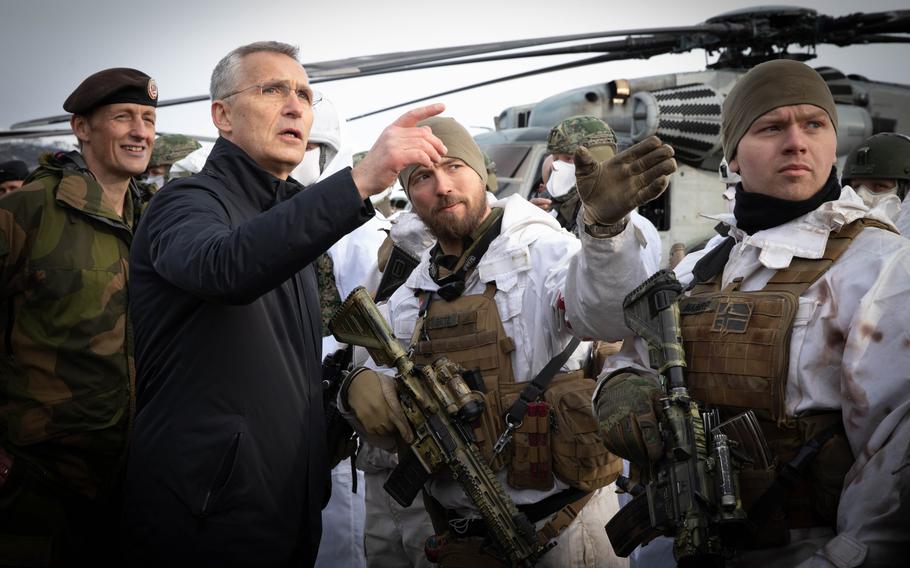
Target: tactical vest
{"points": [[737, 347], [559, 435]]}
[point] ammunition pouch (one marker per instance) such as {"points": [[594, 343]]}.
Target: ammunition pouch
{"points": [[580, 458], [809, 487], [529, 452]]}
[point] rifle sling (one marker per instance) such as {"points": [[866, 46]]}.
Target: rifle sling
{"points": [[539, 384], [712, 263], [552, 504]]}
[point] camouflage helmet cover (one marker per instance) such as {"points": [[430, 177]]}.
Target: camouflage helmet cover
{"points": [[566, 136], [170, 148], [883, 156]]}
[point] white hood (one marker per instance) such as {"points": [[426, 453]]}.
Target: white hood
{"points": [[192, 163], [327, 130]]}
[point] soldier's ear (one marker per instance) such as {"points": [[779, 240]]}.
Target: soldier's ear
{"points": [[733, 166], [221, 116], [81, 128]]}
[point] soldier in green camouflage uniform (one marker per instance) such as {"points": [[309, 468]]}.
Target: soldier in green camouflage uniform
{"points": [[66, 369], [169, 148], [564, 138]]}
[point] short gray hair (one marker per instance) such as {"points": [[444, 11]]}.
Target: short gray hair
{"points": [[224, 76]]}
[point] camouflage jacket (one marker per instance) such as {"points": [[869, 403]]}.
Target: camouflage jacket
{"points": [[66, 374]]}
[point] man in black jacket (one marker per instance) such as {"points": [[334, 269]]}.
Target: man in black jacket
{"points": [[228, 462]]}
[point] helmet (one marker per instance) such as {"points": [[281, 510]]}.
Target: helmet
{"points": [[574, 131], [883, 156], [492, 184], [727, 176], [170, 148]]}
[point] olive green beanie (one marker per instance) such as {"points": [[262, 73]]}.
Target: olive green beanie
{"points": [[767, 86], [459, 144]]}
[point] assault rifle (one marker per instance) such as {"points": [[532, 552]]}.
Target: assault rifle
{"points": [[440, 407], [692, 493]]}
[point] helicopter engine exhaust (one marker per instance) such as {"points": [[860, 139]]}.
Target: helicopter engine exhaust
{"points": [[686, 117]]}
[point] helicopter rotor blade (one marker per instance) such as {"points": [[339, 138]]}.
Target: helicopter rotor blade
{"points": [[66, 117], [4, 134], [397, 61], [731, 34], [549, 69]]}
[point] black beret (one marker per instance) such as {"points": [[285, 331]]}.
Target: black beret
{"points": [[117, 85], [13, 170]]}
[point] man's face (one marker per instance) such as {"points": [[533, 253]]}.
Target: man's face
{"points": [[449, 198], [10, 185], [787, 153], [159, 170], [273, 130], [117, 140], [546, 168]]}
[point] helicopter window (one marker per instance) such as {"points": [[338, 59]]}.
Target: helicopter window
{"points": [[508, 158], [881, 124]]}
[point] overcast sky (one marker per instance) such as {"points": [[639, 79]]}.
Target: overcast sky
{"points": [[48, 46]]}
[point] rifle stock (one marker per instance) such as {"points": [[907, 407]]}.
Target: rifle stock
{"points": [[439, 407]]}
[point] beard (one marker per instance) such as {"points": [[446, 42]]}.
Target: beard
{"points": [[447, 227]]}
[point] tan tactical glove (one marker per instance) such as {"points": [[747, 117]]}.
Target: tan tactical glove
{"points": [[628, 410], [611, 189], [372, 398]]}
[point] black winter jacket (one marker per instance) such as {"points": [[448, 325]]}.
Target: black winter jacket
{"points": [[228, 462]]}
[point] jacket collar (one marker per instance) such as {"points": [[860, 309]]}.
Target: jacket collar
{"points": [[243, 175], [79, 189], [807, 235], [520, 220]]}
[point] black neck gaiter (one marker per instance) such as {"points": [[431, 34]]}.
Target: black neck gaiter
{"points": [[755, 212], [449, 271]]}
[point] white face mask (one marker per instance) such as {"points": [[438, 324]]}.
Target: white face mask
{"points": [[307, 172], [562, 178], [873, 199]]}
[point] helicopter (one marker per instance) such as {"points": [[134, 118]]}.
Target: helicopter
{"points": [[682, 108]]}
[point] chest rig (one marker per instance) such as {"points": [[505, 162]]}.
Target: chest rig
{"points": [[558, 436], [469, 331], [737, 347]]}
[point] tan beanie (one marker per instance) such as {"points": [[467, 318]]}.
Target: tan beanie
{"points": [[459, 144], [767, 86]]}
